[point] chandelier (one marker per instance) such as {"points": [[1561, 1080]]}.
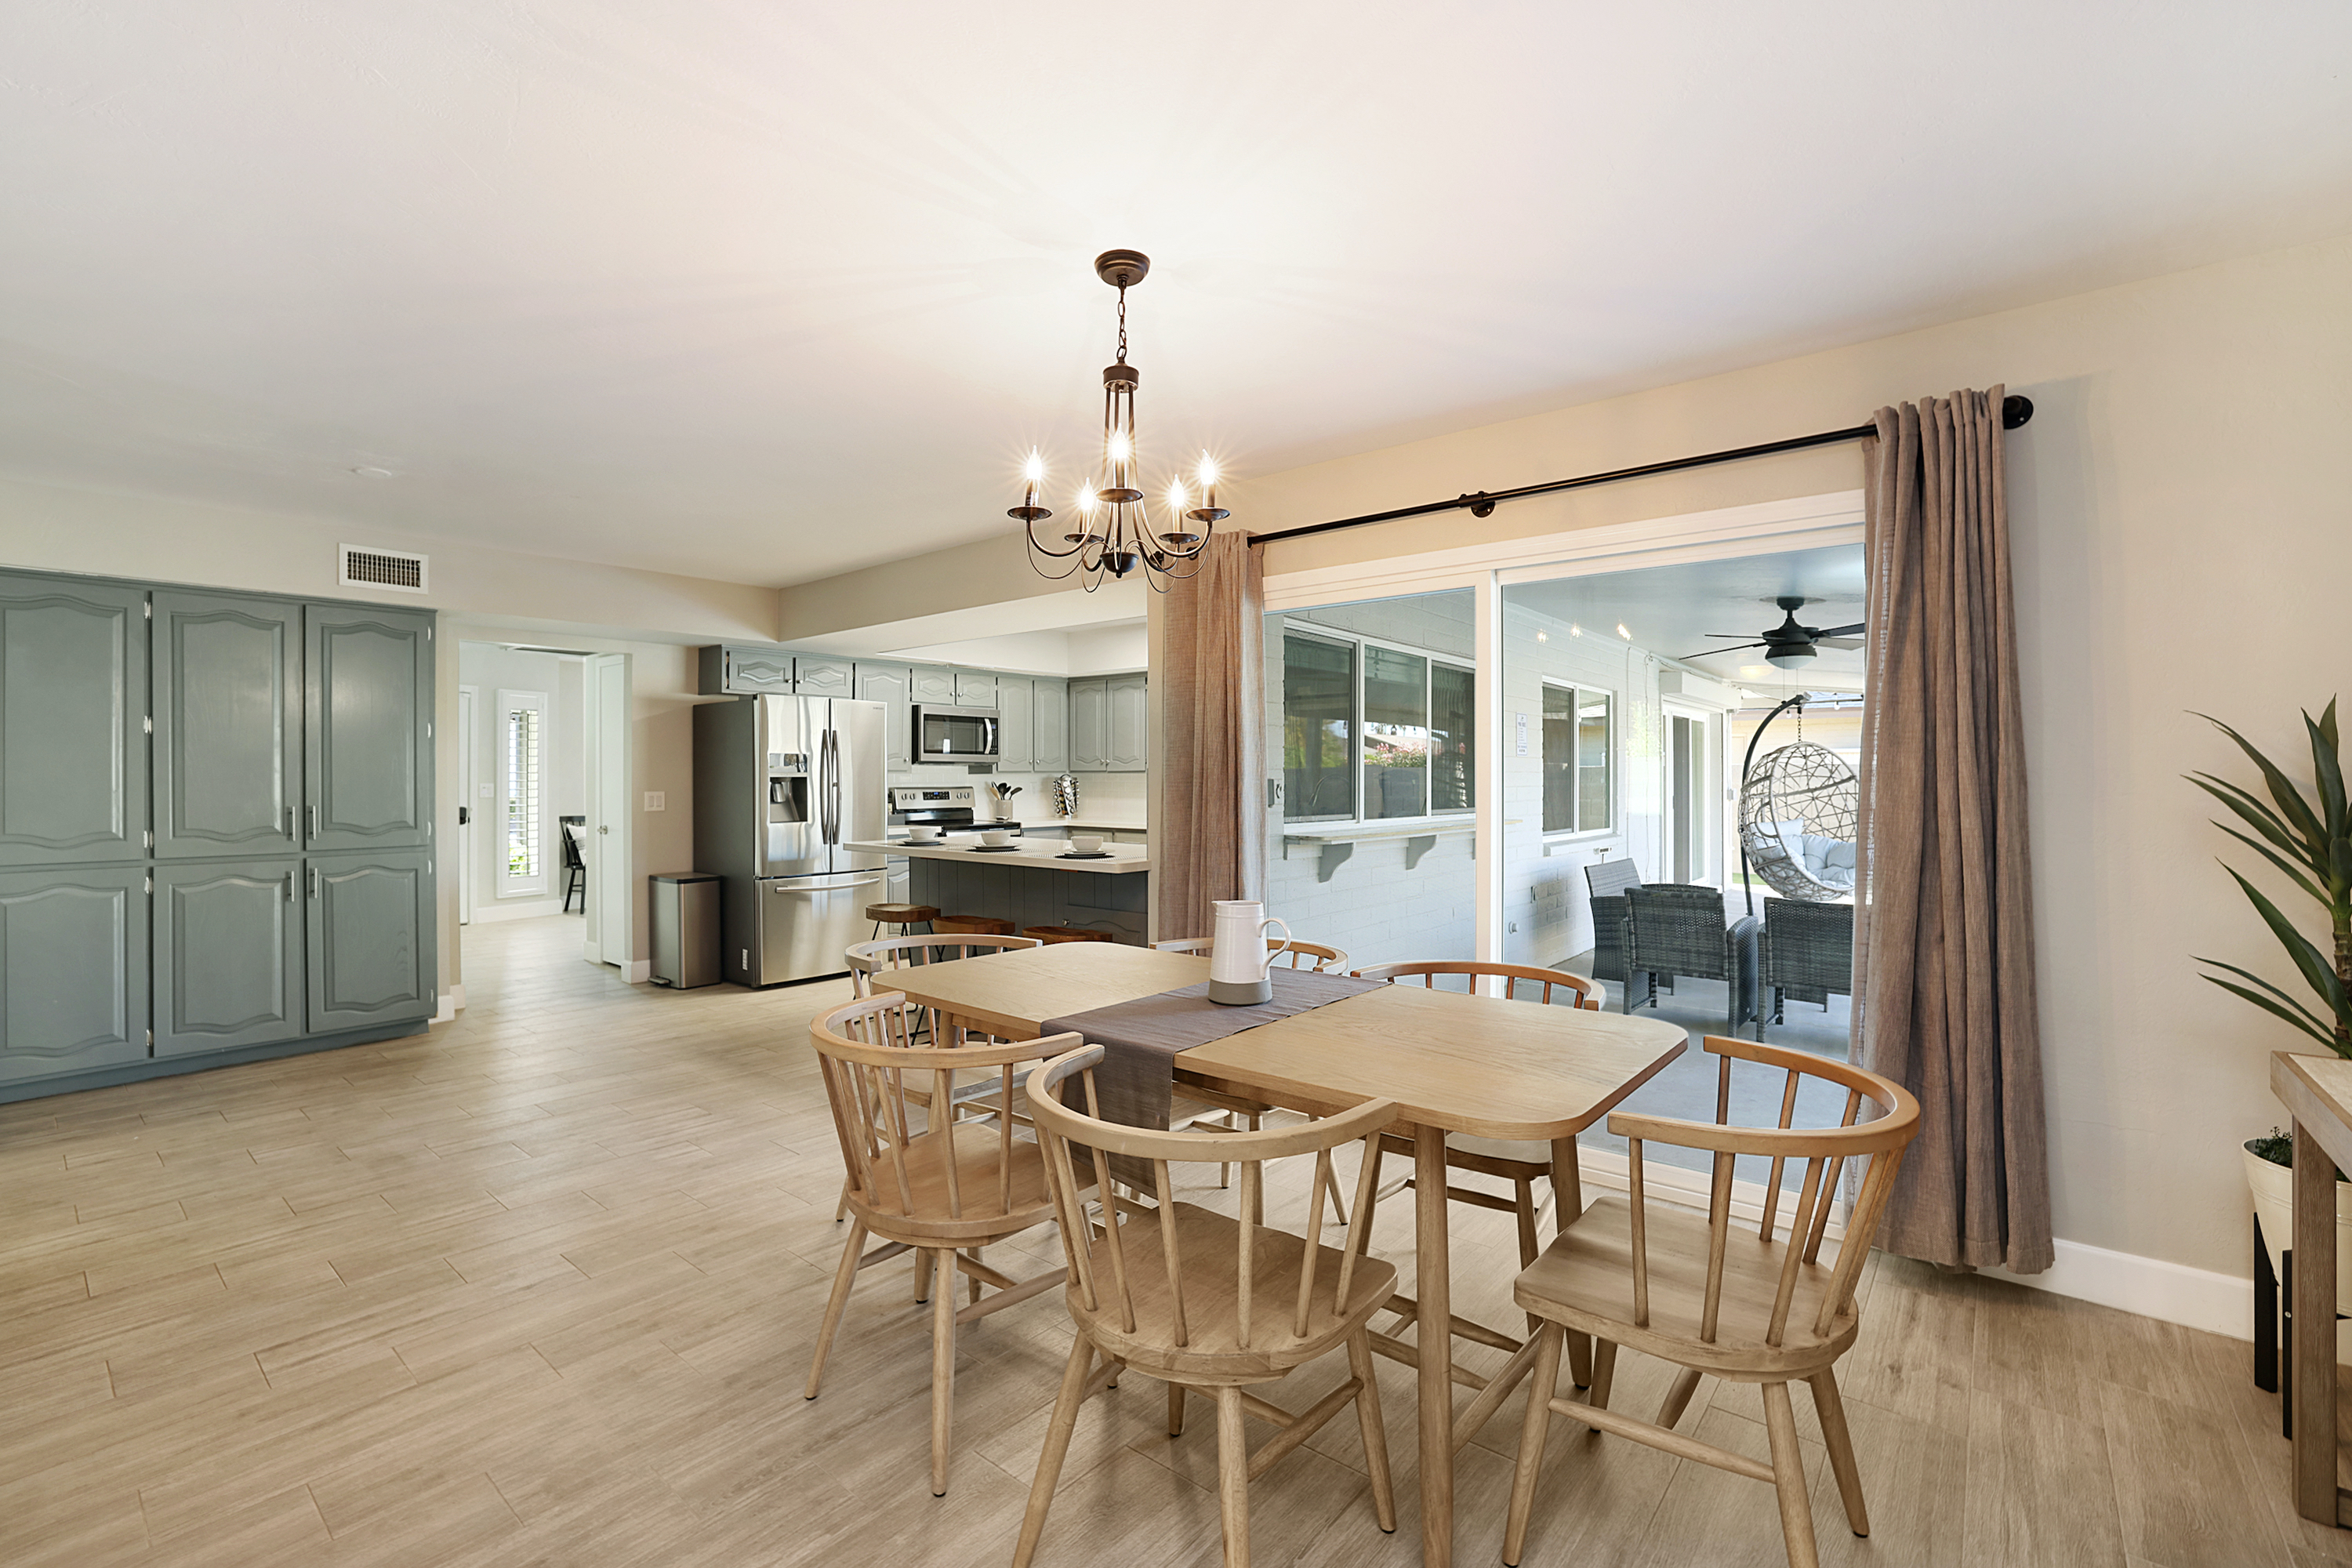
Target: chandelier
{"points": [[1114, 535]]}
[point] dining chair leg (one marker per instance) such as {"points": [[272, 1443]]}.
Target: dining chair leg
{"points": [[1567, 1209], [923, 1260], [1840, 1442], [1678, 1397], [843, 1279], [973, 1253], [1175, 1410], [943, 1340], [1339, 1204], [1541, 1382], [1605, 1372], [1789, 1477], [841, 1209], [1523, 1199], [1375, 1431], [1058, 1448], [1233, 1476]]}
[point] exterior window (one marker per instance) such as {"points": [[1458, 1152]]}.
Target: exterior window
{"points": [[1396, 733], [522, 741], [1374, 734], [1576, 749], [1452, 738], [1318, 730]]}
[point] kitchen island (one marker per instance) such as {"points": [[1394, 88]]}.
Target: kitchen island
{"points": [[1033, 883]]}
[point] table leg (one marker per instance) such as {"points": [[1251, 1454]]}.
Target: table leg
{"points": [[2314, 1330], [1433, 1285], [1567, 1203]]}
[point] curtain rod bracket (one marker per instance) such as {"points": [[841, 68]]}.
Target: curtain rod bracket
{"points": [[1480, 505], [2015, 411]]}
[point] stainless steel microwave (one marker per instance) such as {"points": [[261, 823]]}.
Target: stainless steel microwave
{"points": [[954, 734]]}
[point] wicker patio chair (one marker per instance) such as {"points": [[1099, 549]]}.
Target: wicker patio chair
{"points": [[1807, 951], [1672, 931], [1608, 882]]}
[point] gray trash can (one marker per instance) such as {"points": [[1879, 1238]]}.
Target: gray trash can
{"points": [[686, 928]]}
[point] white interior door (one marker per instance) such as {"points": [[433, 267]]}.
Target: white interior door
{"points": [[611, 887], [468, 805]]}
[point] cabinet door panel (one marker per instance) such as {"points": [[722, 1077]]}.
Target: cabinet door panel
{"points": [[933, 685], [73, 970], [976, 688], [73, 711], [1089, 725], [1017, 725], [1049, 735], [228, 673], [823, 677], [371, 939], [1129, 746], [368, 761], [228, 954], [886, 684], [759, 672]]}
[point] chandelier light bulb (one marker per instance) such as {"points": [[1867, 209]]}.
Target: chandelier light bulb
{"points": [[1118, 447], [1208, 472], [1176, 497], [1035, 468]]}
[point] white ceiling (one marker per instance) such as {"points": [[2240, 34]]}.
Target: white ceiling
{"points": [[1670, 610], [765, 292]]}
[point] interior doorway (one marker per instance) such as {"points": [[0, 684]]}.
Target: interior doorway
{"points": [[523, 766], [469, 781], [611, 902], [1694, 817]]}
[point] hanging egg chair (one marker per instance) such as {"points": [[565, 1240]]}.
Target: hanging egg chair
{"points": [[1799, 812]]}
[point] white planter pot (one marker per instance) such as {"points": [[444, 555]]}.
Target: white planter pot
{"points": [[2273, 1191]]}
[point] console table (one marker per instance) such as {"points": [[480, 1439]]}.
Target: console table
{"points": [[2317, 1092]]}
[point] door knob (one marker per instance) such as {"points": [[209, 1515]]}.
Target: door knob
{"points": [[604, 829]]}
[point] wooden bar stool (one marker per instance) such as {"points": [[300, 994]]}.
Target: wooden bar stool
{"points": [[972, 925], [906, 917], [1050, 935]]}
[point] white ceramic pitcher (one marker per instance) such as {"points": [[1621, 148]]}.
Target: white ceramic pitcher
{"points": [[1241, 966]]}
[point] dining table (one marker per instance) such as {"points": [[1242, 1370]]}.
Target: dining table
{"points": [[1459, 1063]]}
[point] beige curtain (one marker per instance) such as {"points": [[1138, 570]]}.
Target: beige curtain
{"points": [[1944, 988], [1208, 841]]}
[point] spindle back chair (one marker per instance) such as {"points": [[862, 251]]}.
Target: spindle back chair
{"points": [[1206, 1300], [1328, 960], [1747, 1302], [942, 1187]]}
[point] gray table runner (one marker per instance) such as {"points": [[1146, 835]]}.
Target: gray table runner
{"points": [[1141, 1038]]}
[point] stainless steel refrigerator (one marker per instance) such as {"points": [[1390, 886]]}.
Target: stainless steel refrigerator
{"points": [[780, 784]]}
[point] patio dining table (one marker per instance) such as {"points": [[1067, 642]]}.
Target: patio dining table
{"points": [[1473, 1064]]}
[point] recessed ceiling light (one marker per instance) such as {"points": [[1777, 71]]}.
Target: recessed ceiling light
{"points": [[1543, 636], [1624, 633], [1575, 631], [369, 472]]}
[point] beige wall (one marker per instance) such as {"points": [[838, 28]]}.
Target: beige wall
{"points": [[56, 530], [2182, 510]]}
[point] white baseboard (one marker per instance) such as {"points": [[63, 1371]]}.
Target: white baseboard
{"points": [[447, 1013], [638, 971], [2169, 1292]]}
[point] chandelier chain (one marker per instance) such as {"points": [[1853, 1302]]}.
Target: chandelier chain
{"points": [[1122, 323]]}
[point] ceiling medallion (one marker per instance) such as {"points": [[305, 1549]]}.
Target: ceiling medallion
{"points": [[1114, 535]]}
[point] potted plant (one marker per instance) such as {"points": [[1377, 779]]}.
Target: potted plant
{"points": [[2309, 838]]}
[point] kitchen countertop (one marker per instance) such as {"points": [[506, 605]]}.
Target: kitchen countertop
{"points": [[1045, 855]]}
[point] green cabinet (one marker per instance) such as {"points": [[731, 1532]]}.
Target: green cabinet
{"points": [[888, 684], [73, 969], [73, 719], [370, 939], [367, 735], [814, 675], [1049, 740], [979, 687], [1089, 725], [228, 954], [1130, 745], [1017, 726], [228, 725], [929, 684], [745, 671]]}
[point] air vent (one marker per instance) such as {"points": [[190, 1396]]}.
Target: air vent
{"points": [[364, 567]]}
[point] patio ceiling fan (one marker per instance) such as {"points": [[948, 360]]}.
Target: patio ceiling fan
{"points": [[1788, 645]]}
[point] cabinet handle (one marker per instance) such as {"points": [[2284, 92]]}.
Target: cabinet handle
{"points": [[314, 881], [289, 828], [310, 816], [290, 887]]}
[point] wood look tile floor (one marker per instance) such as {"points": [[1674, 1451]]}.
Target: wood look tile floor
{"points": [[541, 1287]]}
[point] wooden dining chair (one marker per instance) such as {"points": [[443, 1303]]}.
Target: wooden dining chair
{"points": [[1716, 1297], [1327, 960], [1519, 1164], [943, 1188], [1225, 1114], [1203, 1300]]}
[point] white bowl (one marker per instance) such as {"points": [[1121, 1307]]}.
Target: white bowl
{"points": [[1086, 842], [923, 834], [996, 837]]}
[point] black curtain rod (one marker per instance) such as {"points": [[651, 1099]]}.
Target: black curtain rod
{"points": [[2014, 411]]}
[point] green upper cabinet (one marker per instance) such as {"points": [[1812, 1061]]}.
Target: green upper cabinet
{"points": [[371, 939], [886, 684], [73, 719], [1129, 745], [228, 954], [744, 671], [980, 688], [1089, 725], [1049, 736], [73, 969], [368, 749], [1017, 728], [813, 675], [930, 684], [228, 725]]}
